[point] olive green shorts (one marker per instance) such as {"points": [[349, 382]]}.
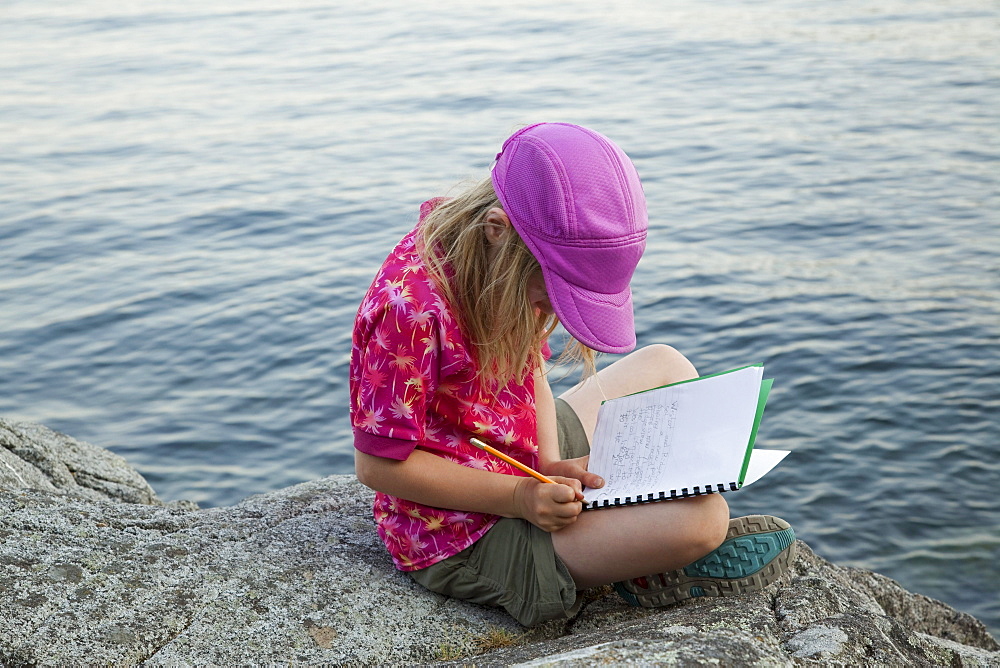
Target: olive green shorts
{"points": [[514, 566]]}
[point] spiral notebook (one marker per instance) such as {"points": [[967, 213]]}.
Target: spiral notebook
{"points": [[686, 439]]}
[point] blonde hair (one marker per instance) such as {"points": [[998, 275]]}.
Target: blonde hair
{"points": [[487, 287]]}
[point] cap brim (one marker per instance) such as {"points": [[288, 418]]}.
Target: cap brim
{"points": [[604, 322]]}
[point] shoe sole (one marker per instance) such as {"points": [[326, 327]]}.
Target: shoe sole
{"points": [[758, 549]]}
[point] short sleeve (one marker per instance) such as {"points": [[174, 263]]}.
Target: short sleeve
{"points": [[395, 371]]}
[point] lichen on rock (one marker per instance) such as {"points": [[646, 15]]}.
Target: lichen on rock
{"points": [[107, 572]]}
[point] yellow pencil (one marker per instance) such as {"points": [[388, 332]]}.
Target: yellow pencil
{"points": [[513, 462]]}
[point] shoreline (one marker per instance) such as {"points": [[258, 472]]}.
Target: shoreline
{"points": [[93, 564]]}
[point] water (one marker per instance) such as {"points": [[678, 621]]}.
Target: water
{"points": [[195, 195]]}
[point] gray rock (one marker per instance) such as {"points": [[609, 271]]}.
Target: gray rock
{"points": [[35, 457], [299, 576]]}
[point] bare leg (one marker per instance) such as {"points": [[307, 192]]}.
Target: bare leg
{"points": [[643, 369], [605, 546]]}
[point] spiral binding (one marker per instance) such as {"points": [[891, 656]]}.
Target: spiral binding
{"points": [[654, 497]]}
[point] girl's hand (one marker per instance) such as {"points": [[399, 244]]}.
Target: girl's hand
{"points": [[549, 507], [576, 469]]}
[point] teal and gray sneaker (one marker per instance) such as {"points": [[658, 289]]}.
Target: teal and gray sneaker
{"points": [[757, 550]]}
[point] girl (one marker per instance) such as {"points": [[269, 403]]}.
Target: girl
{"points": [[450, 343]]}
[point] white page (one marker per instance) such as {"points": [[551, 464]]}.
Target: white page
{"points": [[674, 437], [762, 461]]}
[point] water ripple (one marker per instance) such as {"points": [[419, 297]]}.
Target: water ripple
{"points": [[195, 197]]}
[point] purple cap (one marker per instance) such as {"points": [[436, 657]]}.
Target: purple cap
{"points": [[575, 199]]}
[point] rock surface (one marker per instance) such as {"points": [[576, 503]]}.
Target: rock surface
{"points": [[34, 456], [94, 568]]}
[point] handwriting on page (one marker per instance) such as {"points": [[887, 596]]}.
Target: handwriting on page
{"points": [[677, 440], [643, 442]]}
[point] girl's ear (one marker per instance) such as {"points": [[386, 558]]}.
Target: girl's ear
{"points": [[497, 224]]}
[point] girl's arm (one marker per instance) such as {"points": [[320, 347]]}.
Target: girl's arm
{"points": [[430, 480], [548, 438]]}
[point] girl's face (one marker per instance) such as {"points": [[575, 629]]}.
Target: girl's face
{"points": [[538, 295]]}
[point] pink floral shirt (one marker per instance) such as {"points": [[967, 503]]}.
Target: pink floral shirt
{"points": [[413, 385]]}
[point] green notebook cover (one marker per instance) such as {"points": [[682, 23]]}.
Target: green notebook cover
{"points": [[765, 389]]}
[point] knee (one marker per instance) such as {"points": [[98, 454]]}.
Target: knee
{"points": [[712, 526], [668, 362], [719, 521]]}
